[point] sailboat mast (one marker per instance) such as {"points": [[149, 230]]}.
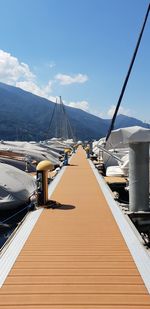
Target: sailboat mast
{"points": [[128, 75]]}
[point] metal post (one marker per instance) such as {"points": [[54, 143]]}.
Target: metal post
{"points": [[66, 159], [42, 180], [90, 147], [67, 151], [139, 177], [87, 149]]}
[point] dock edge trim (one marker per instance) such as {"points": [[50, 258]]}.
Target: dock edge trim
{"points": [[10, 255], [138, 252]]}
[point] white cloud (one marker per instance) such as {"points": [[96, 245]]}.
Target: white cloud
{"points": [[122, 110], [19, 74], [54, 99], [11, 70], [84, 105], [31, 86], [68, 80]]}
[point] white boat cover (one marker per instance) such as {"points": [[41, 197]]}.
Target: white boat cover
{"points": [[114, 171], [34, 151], [124, 136], [16, 187], [49, 150]]}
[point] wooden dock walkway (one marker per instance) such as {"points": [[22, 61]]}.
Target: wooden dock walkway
{"points": [[75, 257]]}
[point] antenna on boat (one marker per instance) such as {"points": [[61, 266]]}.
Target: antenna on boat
{"points": [[128, 75]]}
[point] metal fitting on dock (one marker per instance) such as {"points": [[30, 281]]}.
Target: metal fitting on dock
{"points": [[42, 180], [67, 151], [87, 149]]}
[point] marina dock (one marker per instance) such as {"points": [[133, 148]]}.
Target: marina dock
{"points": [[76, 256]]}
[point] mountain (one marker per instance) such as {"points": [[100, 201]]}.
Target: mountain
{"points": [[126, 121], [25, 116]]}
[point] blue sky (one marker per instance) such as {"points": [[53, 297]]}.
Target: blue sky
{"points": [[79, 49]]}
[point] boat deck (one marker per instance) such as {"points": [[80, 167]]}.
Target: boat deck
{"points": [[116, 180], [75, 257]]}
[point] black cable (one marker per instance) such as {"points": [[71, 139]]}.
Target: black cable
{"points": [[15, 214], [127, 76]]}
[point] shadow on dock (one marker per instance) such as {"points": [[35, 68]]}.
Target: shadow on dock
{"points": [[66, 207], [56, 205]]}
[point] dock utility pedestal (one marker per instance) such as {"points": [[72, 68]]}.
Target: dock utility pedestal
{"points": [[42, 180], [139, 176], [67, 152]]}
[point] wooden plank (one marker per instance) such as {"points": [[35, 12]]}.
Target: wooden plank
{"points": [[74, 258], [74, 307], [113, 179], [76, 299], [74, 272], [67, 289], [74, 279], [77, 265], [81, 253]]}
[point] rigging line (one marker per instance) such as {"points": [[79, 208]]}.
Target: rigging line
{"points": [[51, 119], [56, 121], [16, 213], [72, 135], [127, 76], [68, 124], [62, 120], [67, 121], [66, 132]]}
